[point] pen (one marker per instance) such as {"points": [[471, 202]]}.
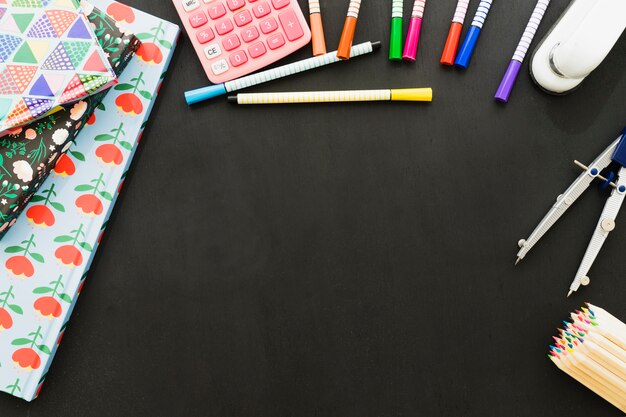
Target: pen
{"points": [[206, 93], [349, 26], [317, 29], [405, 94], [510, 76], [469, 43], [395, 37], [454, 34], [413, 36]]}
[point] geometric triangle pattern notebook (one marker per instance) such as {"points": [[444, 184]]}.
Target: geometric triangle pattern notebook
{"points": [[37, 146], [43, 265], [49, 55]]}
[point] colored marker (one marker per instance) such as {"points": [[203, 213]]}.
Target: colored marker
{"points": [[395, 38], [510, 76], [206, 93], [349, 27], [413, 36], [454, 34], [317, 29], [406, 94], [469, 43]]}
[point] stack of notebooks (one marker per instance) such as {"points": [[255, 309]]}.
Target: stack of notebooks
{"points": [[77, 84]]}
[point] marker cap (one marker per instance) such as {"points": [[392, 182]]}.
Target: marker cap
{"points": [[395, 43], [412, 94], [317, 34], [347, 36], [467, 48], [452, 44], [412, 39], [204, 93], [508, 81]]}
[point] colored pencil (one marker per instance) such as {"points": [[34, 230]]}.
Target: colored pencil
{"points": [[206, 93], [592, 349], [317, 28], [407, 94], [349, 27], [413, 36], [471, 37], [510, 76], [454, 34], [395, 37]]}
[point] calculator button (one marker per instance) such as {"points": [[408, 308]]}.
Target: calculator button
{"points": [[261, 9], [257, 50], [217, 10], [190, 5], [213, 51], [249, 34], [290, 24], [243, 18], [275, 41], [231, 42], [238, 58], [198, 19], [279, 4], [224, 26], [268, 25], [235, 4], [219, 67], [205, 36]]}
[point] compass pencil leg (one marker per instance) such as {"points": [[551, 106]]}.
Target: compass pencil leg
{"points": [[605, 225]]}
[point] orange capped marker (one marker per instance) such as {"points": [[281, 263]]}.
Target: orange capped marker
{"points": [[349, 27]]}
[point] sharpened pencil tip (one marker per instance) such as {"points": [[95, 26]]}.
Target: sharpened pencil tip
{"points": [[569, 293], [518, 260]]}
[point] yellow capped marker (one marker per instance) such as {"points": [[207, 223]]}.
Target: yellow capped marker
{"points": [[402, 94], [412, 94]]}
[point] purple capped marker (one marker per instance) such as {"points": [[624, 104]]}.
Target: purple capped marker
{"points": [[510, 76]]}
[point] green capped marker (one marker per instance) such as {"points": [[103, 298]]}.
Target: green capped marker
{"points": [[395, 42]]}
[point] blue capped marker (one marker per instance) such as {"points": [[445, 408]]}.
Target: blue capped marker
{"points": [[466, 50]]}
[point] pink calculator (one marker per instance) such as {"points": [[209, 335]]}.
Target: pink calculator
{"points": [[236, 37]]}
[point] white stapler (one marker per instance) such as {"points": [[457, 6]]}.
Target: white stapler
{"points": [[577, 43]]}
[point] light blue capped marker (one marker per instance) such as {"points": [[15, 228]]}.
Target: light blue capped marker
{"points": [[206, 93], [466, 50]]}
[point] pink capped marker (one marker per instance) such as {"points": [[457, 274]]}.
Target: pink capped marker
{"points": [[413, 36]]}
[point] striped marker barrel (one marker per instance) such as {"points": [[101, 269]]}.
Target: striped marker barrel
{"points": [[510, 76], [471, 38], [405, 94]]}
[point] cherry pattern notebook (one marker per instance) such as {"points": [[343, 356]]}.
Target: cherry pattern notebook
{"points": [[49, 55]]}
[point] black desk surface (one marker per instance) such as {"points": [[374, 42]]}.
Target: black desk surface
{"points": [[349, 259]]}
